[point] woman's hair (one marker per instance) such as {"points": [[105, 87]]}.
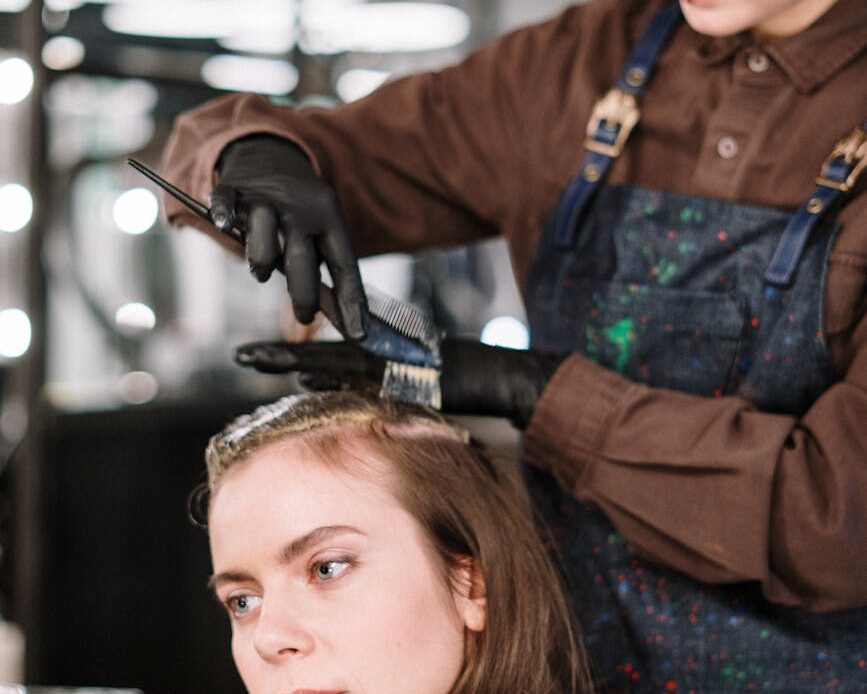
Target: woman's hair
{"points": [[470, 505]]}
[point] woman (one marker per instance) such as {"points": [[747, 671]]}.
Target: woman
{"points": [[361, 545]]}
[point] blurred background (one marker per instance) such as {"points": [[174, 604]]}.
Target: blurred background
{"points": [[116, 333]]}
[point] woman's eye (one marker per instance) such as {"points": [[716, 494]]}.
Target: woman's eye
{"points": [[329, 570], [242, 605]]}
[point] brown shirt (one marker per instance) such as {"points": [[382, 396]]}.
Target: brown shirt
{"points": [[713, 487]]}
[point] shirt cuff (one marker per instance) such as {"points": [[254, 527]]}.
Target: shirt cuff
{"points": [[571, 418]]}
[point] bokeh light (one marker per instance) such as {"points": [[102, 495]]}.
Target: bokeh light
{"points": [[135, 317], [135, 210], [15, 333], [16, 80], [506, 331], [16, 207]]}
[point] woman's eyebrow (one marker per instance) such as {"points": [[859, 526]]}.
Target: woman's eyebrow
{"points": [[227, 577], [300, 544], [288, 553]]}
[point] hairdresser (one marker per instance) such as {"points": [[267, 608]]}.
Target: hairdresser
{"points": [[682, 204]]}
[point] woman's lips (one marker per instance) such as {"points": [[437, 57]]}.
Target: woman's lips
{"points": [[319, 691]]}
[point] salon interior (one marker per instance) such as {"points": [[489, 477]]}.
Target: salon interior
{"points": [[117, 332]]}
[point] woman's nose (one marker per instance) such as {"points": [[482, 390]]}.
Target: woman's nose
{"points": [[280, 634]]}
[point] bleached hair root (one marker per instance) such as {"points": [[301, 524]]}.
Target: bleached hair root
{"points": [[298, 414]]}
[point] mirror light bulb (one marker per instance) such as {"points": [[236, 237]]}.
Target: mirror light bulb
{"points": [[16, 207], [16, 80], [15, 333]]}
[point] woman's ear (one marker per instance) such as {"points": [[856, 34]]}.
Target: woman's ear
{"points": [[468, 587]]}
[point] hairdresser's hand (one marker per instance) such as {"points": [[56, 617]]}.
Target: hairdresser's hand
{"points": [[268, 186], [476, 379]]}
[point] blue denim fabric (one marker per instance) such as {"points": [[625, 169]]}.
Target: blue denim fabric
{"points": [[669, 291]]}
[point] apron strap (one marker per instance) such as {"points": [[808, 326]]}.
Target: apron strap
{"points": [[838, 176], [614, 117]]}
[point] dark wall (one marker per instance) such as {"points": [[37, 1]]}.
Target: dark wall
{"points": [[123, 598]]}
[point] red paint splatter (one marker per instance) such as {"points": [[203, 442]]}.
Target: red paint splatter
{"points": [[671, 686], [755, 322], [722, 236]]}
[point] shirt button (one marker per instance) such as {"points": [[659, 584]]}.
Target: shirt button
{"points": [[727, 147], [758, 61]]}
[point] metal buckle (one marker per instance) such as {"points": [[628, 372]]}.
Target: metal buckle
{"points": [[852, 149], [616, 108]]}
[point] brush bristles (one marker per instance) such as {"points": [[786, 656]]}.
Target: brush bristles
{"points": [[407, 383]]}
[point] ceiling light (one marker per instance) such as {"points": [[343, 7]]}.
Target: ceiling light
{"points": [[62, 53], [15, 333], [135, 210], [506, 331], [198, 19], [16, 207], [267, 41], [383, 27], [63, 5], [243, 74], [358, 82], [16, 80], [13, 5]]}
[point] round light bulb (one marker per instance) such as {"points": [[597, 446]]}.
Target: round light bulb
{"points": [[16, 80], [135, 317], [135, 210], [16, 207], [506, 331], [15, 333]]}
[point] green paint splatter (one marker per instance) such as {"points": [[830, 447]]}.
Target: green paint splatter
{"points": [[665, 271], [684, 247], [621, 335], [687, 214]]}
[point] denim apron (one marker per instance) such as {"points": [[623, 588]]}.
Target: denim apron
{"points": [[711, 298]]}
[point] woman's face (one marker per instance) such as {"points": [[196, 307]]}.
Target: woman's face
{"points": [[771, 17], [328, 582]]}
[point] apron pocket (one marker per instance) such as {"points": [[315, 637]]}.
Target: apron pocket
{"points": [[682, 339]]}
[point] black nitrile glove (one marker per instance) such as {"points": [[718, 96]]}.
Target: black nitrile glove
{"points": [[268, 186], [476, 378]]}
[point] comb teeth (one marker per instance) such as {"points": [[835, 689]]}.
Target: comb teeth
{"points": [[405, 318]]}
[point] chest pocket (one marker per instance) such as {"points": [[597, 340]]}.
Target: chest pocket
{"points": [[675, 338]]}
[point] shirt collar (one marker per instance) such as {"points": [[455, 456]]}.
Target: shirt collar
{"points": [[810, 57], [818, 52]]}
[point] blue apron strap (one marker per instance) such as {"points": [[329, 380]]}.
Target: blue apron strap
{"points": [[614, 117], [839, 174]]}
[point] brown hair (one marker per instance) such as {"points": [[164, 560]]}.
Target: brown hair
{"points": [[470, 505]]}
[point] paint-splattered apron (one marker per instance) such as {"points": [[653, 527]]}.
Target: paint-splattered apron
{"points": [[674, 291]]}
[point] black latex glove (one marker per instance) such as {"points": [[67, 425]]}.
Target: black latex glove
{"points": [[293, 222], [476, 378]]}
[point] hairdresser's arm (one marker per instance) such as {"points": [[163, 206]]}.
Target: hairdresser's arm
{"points": [[715, 487], [432, 159]]}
